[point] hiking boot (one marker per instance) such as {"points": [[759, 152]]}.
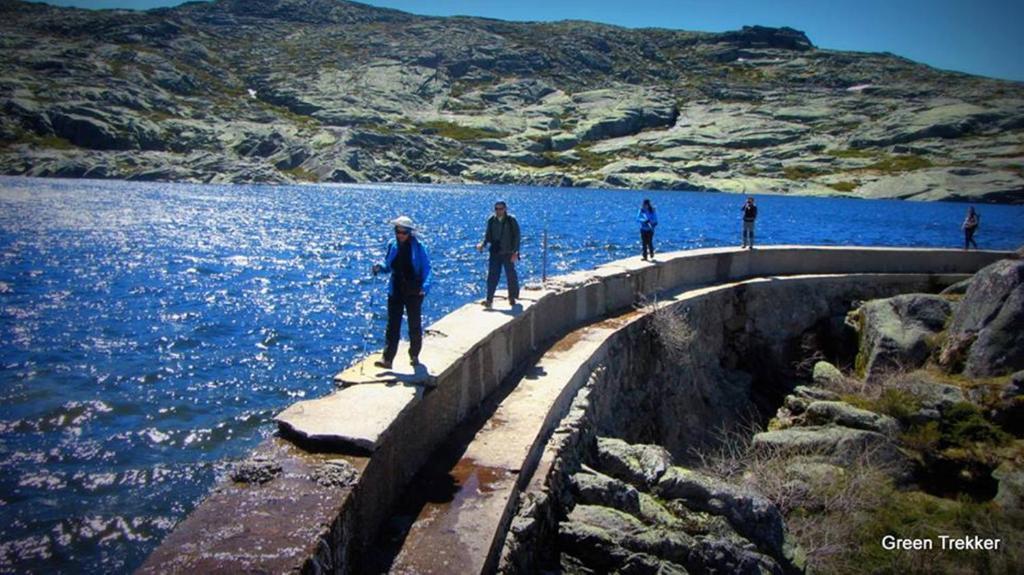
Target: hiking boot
{"points": [[512, 302], [413, 360], [488, 303], [383, 363]]}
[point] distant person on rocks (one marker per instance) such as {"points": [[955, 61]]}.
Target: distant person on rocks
{"points": [[502, 235], [749, 216], [409, 264], [648, 219], [970, 226]]}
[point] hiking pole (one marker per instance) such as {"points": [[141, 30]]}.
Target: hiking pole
{"points": [[368, 326]]}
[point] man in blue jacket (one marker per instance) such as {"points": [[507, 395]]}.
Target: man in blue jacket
{"points": [[410, 282]]}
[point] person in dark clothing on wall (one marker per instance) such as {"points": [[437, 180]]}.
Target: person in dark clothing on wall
{"points": [[970, 226], [409, 264], [648, 219], [749, 215], [502, 235]]}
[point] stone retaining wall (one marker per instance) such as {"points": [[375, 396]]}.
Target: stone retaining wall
{"points": [[634, 394]]}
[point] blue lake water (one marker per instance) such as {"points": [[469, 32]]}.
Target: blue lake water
{"points": [[149, 332]]}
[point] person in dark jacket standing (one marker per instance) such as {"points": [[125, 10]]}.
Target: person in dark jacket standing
{"points": [[409, 264], [502, 235], [749, 215], [648, 219], [970, 226]]}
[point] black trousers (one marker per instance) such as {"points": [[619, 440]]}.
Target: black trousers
{"points": [[495, 263], [647, 239], [413, 306], [969, 238]]}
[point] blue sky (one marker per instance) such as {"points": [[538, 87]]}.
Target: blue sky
{"points": [[977, 36]]}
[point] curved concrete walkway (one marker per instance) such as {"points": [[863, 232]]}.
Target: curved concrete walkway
{"points": [[388, 424]]}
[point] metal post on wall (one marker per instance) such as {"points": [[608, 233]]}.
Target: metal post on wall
{"points": [[544, 255]]}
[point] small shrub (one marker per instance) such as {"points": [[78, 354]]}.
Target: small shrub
{"points": [[878, 398], [671, 326], [963, 425], [923, 438], [897, 403], [844, 187]]}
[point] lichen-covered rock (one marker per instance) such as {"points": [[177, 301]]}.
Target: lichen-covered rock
{"points": [[795, 404], [986, 335], [1009, 410], [841, 446], [959, 288], [602, 538], [593, 488], [644, 564], [1011, 486], [846, 415], [752, 515], [714, 555], [336, 473], [638, 465], [933, 395], [592, 546], [827, 376], [897, 333], [652, 512], [257, 470], [815, 393]]}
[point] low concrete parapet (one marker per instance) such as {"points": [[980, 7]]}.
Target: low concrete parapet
{"points": [[393, 420]]}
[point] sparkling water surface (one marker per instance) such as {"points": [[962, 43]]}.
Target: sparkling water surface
{"points": [[149, 332]]}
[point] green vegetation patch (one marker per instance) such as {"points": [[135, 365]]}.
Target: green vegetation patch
{"points": [[157, 115], [51, 142], [844, 187], [301, 174], [900, 163], [892, 402], [592, 161], [963, 425], [800, 172], [459, 132], [747, 74], [300, 120], [917, 515], [885, 163], [852, 153]]}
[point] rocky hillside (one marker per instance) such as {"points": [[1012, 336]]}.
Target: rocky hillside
{"points": [[334, 91]]}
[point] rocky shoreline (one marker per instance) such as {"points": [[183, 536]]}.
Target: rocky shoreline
{"points": [[286, 91]]}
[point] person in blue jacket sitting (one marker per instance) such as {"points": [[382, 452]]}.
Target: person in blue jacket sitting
{"points": [[648, 219], [410, 283]]}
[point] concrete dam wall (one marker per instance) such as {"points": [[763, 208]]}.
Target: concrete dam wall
{"points": [[313, 498]]}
